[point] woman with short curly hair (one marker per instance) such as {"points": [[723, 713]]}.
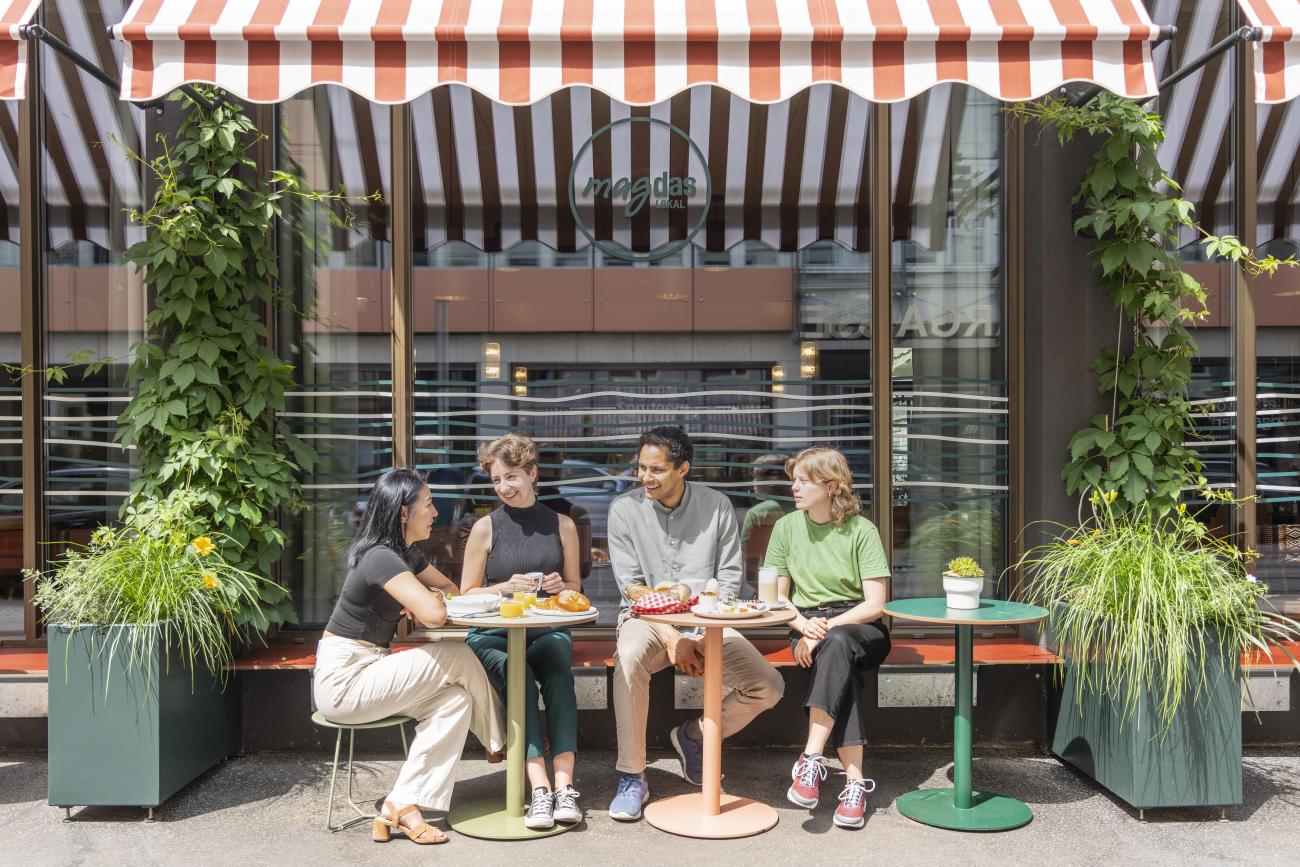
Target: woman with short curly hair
{"points": [[831, 565], [522, 536]]}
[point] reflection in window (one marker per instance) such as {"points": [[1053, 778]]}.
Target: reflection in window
{"points": [[94, 301], [11, 398], [755, 336], [949, 441], [1197, 153], [1277, 314], [335, 263]]}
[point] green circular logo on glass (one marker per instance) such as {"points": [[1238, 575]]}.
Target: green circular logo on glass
{"points": [[648, 190]]}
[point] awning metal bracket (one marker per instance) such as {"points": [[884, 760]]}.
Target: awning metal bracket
{"points": [[37, 32], [1238, 36]]}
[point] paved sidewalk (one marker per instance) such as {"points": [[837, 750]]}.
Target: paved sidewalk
{"points": [[269, 810]]}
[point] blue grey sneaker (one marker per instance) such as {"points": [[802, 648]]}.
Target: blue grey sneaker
{"points": [[690, 751], [633, 793]]}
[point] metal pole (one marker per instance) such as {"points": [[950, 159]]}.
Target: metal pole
{"points": [[516, 649], [31, 313], [711, 722], [961, 724]]}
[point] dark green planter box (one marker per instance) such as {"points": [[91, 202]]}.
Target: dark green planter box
{"points": [[1198, 763], [135, 744]]}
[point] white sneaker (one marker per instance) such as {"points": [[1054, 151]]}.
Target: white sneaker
{"points": [[566, 805], [541, 812]]}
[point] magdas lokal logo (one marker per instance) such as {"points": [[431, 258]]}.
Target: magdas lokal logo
{"points": [[650, 186], [667, 191]]}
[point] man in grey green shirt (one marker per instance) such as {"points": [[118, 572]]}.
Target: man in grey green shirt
{"points": [[670, 529]]}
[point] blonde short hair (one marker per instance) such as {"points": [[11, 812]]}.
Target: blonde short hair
{"points": [[825, 464], [513, 449]]}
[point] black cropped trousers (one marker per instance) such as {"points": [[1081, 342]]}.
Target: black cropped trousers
{"points": [[839, 671]]}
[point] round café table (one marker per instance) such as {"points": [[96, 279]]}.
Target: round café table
{"points": [[503, 818], [709, 814], [962, 808]]}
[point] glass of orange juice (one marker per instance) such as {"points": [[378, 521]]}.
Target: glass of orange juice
{"points": [[511, 608], [526, 598]]}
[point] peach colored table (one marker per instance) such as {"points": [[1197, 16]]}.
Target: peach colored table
{"points": [[711, 814]]}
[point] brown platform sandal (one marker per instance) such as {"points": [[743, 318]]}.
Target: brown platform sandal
{"points": [[425, 834]]}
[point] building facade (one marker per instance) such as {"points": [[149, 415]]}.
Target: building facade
{"points": [[889, 278]]}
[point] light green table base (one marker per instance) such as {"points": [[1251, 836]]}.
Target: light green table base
{"points": [[987, 812], [503, 818], [491, 820]]}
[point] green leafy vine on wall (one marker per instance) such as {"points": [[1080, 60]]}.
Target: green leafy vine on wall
{"points": [[1132, 208], [206, 384]]}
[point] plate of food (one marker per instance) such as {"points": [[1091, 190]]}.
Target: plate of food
{"points": [[472, 603], [739, 610], [568, 603]]}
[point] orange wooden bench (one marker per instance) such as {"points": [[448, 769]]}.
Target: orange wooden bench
{"points": [[599, 653]]}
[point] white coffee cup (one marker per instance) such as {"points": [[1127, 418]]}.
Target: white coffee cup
{"points": [[707, 602]]}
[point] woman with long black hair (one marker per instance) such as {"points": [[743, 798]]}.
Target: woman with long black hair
{"points": [[441, 685]]}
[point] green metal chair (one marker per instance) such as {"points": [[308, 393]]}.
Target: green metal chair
{"points": [[362, 815]]}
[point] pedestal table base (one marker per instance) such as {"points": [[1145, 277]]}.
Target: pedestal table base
{"points": [[489, 820], [685, 815], [987, 812]]}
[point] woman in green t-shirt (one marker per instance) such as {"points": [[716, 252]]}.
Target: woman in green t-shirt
{"points": [[831, 565]]}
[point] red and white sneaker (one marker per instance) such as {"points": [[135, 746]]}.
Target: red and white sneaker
{"points": [[808, 772], [853, 803]]}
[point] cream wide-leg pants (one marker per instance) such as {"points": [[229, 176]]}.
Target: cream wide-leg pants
{"points": [[441, 685]]}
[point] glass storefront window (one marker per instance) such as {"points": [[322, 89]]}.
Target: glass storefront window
{"points": [[11, 398], [1277, 316], [949, 443], [335, 263], [1197, 153], [94, 301], [753, 333]]}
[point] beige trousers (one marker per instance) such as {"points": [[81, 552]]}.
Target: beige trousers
{"points": [[757, 684], [441, 685]]}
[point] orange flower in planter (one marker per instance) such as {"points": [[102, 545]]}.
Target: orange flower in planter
{"points": [[204, 546]]}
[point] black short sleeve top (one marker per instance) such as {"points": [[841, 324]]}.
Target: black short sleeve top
{"points": [[364, 610]]}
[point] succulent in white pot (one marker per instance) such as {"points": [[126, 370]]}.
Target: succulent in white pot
{"points": [[963, 582]]}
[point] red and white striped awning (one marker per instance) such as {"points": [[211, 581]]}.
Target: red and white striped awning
{"points": [[1277, 56], [639, 52], [13, 47]]}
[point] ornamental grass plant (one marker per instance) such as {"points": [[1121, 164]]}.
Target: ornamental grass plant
{"points": [[167, 578], [1148, 605]]}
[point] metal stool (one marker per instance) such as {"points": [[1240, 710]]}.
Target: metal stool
{"points": [[362, 815]]}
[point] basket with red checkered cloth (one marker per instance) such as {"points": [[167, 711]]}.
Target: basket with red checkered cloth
{"points": [[660, 603]]}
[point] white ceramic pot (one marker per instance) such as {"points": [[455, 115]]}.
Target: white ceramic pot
{"points": [[963, 593]]}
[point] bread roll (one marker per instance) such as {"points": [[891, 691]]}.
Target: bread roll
{"points": [[636, 591]]}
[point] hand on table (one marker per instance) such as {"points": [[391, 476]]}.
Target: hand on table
{"points": [[803, 651], [688, 656], [553, 583], [816, 628]]}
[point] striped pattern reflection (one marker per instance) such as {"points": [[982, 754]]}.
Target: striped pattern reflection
{"points": [[637, 51], [788, 174]]}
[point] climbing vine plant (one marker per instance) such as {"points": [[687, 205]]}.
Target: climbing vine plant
{"points": [[1137, 452], [206, 384]]}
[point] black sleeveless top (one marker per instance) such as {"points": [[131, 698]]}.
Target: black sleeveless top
{"points": [[523, 541]]}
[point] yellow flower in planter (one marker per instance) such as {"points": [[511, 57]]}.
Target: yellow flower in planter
{"points": [[210, 580], [1072, 542], [204, 546]]}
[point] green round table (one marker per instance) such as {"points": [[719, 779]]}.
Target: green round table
{"points": [[962, 808], [503, 818]]}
